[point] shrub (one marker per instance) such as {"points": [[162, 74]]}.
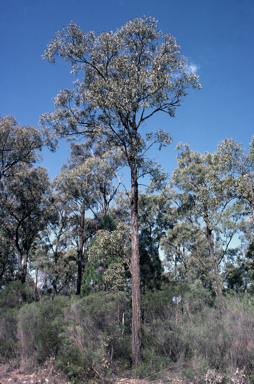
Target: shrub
{"points": [[183, 326], [222, 334], [12, 296], [93, 336], [160, 329], [8, 334], [39, 327]]}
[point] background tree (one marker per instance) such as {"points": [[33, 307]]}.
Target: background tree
{"points": [[17, 145], [26, 208], [128, 76], [8, 260], [53, 257], [185, 246], [238, 165], [109, 261], [86, 183], [239, 168], [210, 192], [154, 220]]}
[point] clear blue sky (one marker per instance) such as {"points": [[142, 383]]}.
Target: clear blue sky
{"points": [[217, 36]]}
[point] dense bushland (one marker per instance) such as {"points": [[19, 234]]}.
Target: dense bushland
{"points": [[89, 338], [188, 314]]}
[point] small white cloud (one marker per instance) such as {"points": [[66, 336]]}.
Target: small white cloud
{"points": [[192, 68]]}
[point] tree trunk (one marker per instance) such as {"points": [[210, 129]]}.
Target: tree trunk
{"points": [[185, 262], [55, 272], [4, 263], [136, 299], [252, 209], [22, 260], [23, 268], [80, 250], [22, 264], [213, 258]]}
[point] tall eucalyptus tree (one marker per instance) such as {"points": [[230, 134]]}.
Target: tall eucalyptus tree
{"points": [[128, 77]]}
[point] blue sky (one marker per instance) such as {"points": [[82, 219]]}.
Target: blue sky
{"points": [[217, 37]]}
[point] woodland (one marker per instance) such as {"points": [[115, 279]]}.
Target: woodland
{"points": [[98, 281]]}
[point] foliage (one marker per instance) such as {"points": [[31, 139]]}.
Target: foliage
{"points": [[8, 261], [154, 220], [89, 338], [8, 334], [109, 261], [94, 336], [17, 145], [86, 184], [25, 210], [39, 327], [11, 295], [207, 202], [126, 72], [53, 256], [150, 264]]}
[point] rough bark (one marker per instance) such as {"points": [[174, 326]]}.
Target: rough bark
{"points": [[185, 261], [22, 267], [22, 264], [209, 237], [22, 259], [136, 298], [252, 208], [4, 260], [207, 270], [80, 250], [213, 259], [55, 272]]}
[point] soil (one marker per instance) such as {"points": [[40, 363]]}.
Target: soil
{"points": [[9, 375]]}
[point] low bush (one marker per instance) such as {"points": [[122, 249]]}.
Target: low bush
{"points": [[13, 295], [94, 336], [223, 334], [190, 337], [8, 334], [189, 327], [39, 327]]}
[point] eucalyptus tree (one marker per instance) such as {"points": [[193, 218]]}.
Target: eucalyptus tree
{"points": [[207, 192], [238, 164], [53, 256], [17, 145], [8, 262], [109, 260], [86, 183], [128, 77], [25, 210], [185, 246], [239, 167], [155, 217]]}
